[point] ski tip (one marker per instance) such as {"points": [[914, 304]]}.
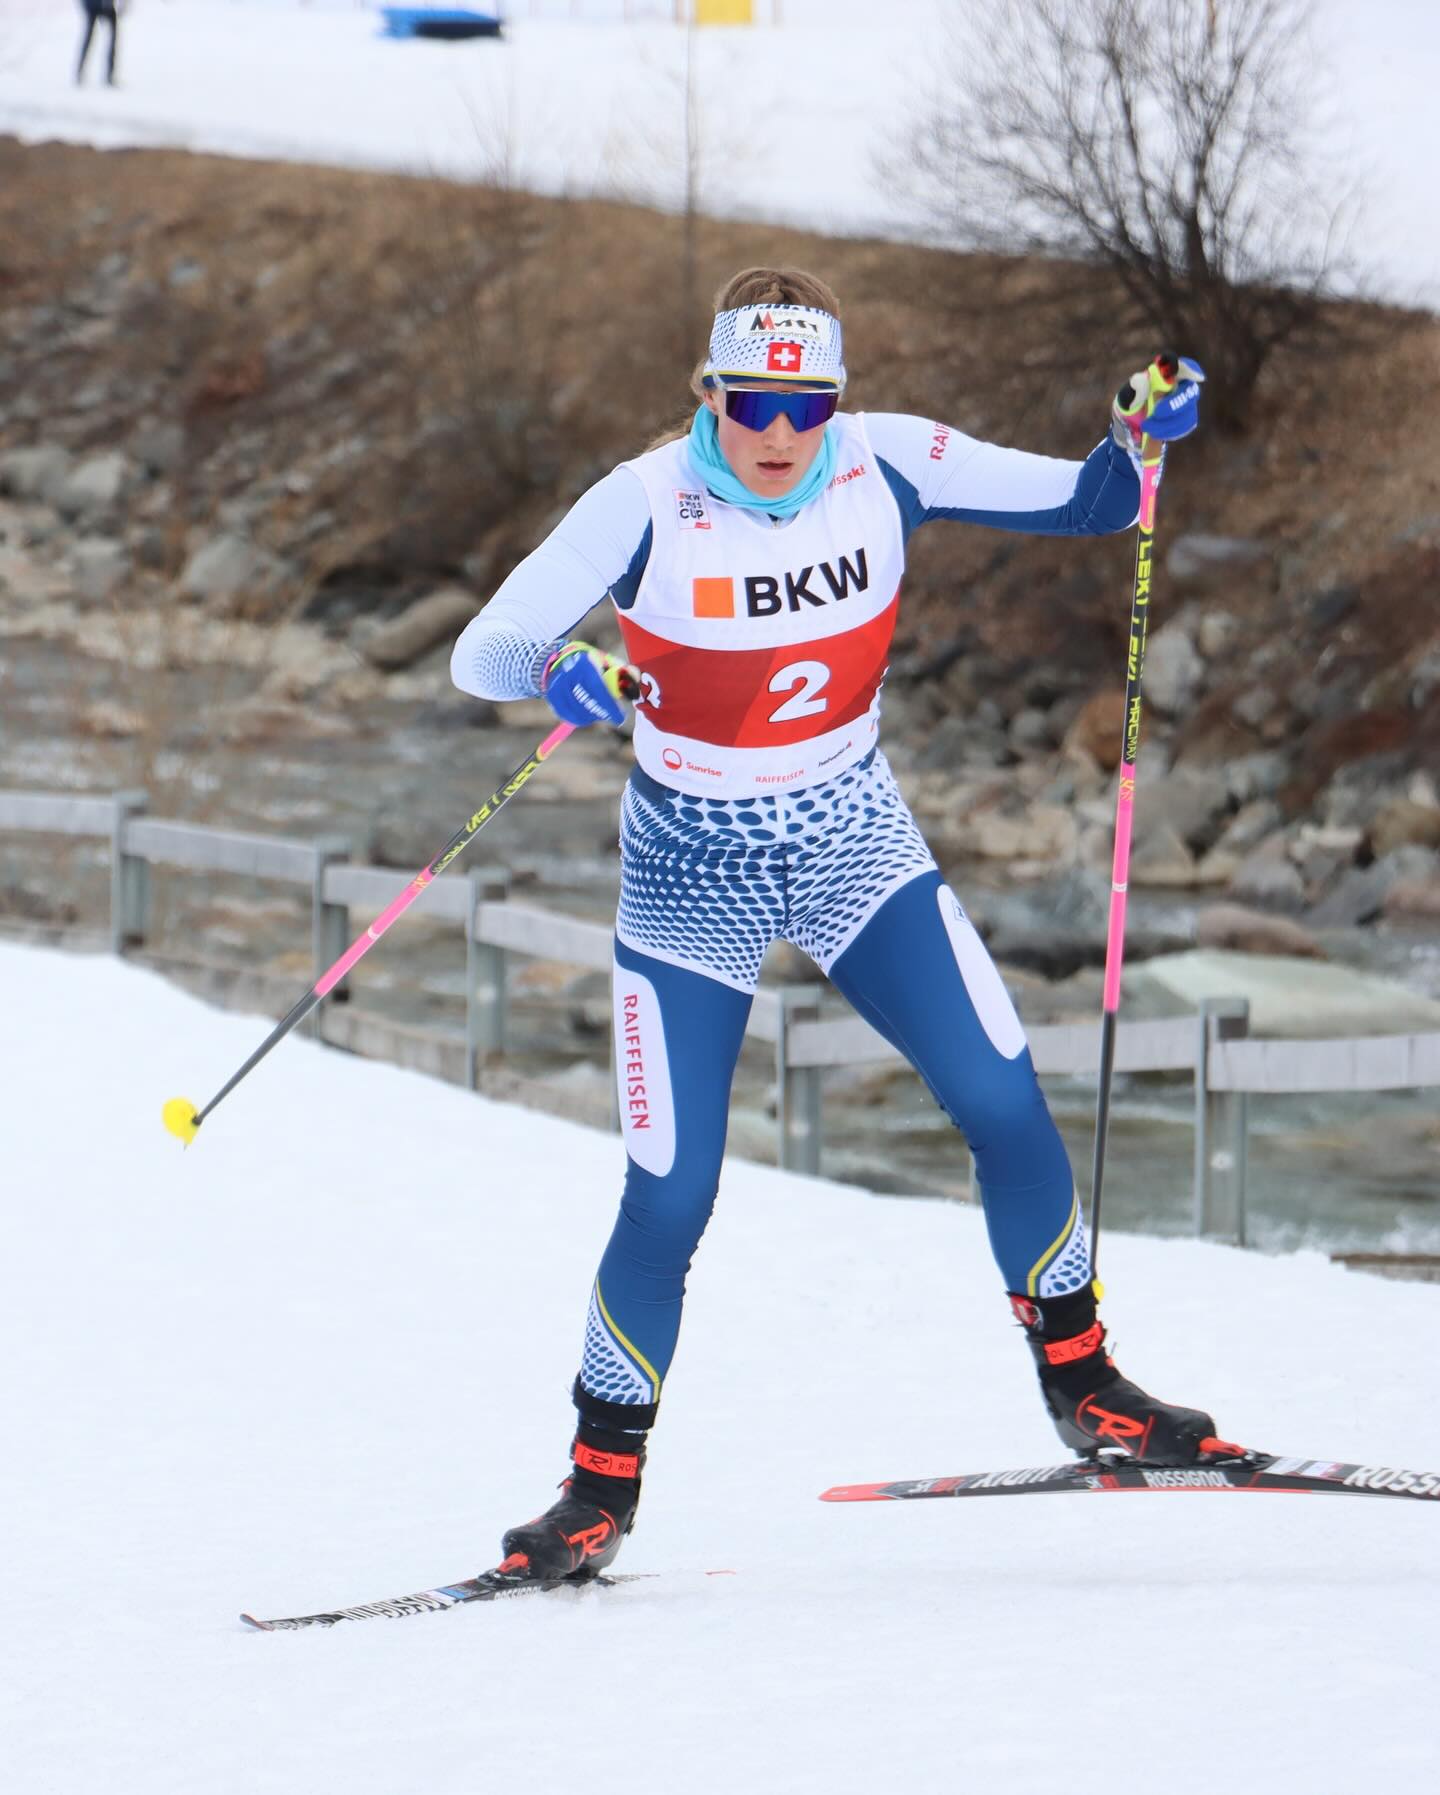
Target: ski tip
{"points": [[852, 1492], [259, 1626]]}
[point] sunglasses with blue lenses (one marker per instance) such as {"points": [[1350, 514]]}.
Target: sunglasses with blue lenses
{"points": [[757, 411]]}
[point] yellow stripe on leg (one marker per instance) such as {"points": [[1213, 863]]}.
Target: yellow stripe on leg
{"points": [[634, 1353], [1055, 1248]]}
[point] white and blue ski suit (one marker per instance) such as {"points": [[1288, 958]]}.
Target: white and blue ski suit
{"points": [[761, 808]]}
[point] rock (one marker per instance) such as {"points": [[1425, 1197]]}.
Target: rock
{"points": [[41, 525], [151, 548], [1250, 825], [1037, 832], [34, 473], [108, 719], [458, 711], [1215, 633], [1053, 929], [1097, 729], [1197, 559], [526, 713], [1030, 729], [1253, 707], [437, 618], [1425, 680], [1322, 855], [1160, 857], [159, 447], [1360, 895], [1413, 897], [1257, 775], [1402, 822], [1174, 670], [1331, 607], [94, 486], [1266, 877], [262, 719], [1252, 932], [1193, 802], [1298, 999], [101, 567], [227, 565]]}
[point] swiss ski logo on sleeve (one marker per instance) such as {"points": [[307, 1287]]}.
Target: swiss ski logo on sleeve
{"points": [[690, 507]]}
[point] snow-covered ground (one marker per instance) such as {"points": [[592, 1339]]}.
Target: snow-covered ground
{"points": [[791, 117], [322, 1356]]}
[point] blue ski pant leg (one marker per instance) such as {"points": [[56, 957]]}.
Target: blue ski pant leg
{"points": [[677, 1038], [919, 973]]}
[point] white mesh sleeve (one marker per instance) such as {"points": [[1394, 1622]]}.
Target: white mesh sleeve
{"points": [[502, 652]]}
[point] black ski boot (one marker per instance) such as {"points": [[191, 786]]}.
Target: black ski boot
{"points": [[582, 1532], [1092, 1406]]}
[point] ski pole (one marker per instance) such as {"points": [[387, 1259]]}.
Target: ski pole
{"points": [[1164, 374], [181, 1116]]}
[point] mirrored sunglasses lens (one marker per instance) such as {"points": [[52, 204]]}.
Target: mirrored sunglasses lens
{"points": [[758, 410]]}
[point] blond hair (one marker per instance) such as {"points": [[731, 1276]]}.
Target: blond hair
{"points": [[756, 286]]}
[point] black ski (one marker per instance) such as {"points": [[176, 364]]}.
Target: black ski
{"points": [[1252, 1471], [489, 1586]]}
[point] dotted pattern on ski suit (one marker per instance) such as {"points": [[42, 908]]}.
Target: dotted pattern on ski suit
{"points": [[709, 883], [606, 1369], [1070, 1268]]}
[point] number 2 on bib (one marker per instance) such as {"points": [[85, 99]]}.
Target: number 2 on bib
{"points": [[811, 677]]}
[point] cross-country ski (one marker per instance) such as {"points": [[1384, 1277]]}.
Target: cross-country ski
{"points": [[1256, 1472], [489, 1586]]}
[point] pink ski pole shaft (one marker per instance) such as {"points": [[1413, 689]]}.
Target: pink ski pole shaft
{"points": [[183, 1120], [1164, 371]]}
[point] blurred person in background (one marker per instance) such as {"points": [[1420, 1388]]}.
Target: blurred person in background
{"points": [[754, 560], [99, 12]]}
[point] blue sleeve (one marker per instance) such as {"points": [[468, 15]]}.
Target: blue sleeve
{"points": [[934, 471]]}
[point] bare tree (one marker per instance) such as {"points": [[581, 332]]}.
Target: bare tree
{"points": [[1167, 144]]}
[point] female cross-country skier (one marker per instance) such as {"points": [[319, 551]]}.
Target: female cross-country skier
{"points": [[755, 566]]}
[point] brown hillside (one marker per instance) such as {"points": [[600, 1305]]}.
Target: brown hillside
{"points": [[394, 381]]}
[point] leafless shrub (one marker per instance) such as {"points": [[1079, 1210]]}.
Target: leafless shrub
{"points": [[1160, 145]]}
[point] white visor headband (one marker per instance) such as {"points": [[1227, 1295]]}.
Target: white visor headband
{"points": [[797, 344]]}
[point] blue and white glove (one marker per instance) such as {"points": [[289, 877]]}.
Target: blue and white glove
{"points": [[1161, 402], [584, 685]]}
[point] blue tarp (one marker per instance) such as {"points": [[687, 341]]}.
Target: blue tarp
{"points": [[434, 21]]}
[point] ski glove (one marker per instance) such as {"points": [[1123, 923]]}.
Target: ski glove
{"points": [[584, 685], [1161, 402]]}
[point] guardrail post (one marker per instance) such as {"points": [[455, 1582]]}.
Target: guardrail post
{"points": [[797, 1088], [329, 923], [485, 976], [129, 877], [1220, 1122]]}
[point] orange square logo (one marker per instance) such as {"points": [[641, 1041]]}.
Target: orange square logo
{"points": [[714, 598]]}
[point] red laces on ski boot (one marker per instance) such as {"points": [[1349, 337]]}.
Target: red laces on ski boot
{"points": [[1093, 1407]]}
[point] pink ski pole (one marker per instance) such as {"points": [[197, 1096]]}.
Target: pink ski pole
{"points": [[1164, 375], [181, 1116]]}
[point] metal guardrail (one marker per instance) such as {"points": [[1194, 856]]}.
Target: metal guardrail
{"points": [[1210, 1047]]}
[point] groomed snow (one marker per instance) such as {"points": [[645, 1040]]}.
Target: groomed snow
{"points": [[322, 1356], [792, 117]]}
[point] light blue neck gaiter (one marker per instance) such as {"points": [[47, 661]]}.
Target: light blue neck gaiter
{"points": [[721, 479]]}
